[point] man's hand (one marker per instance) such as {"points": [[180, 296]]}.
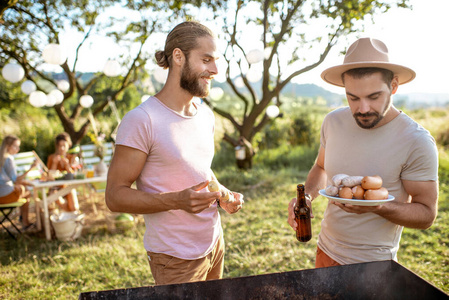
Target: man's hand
{"points": [[193, 201], [233, 206], [356, 209], [291, 211]]}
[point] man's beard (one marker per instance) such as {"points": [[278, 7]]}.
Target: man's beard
{"points": [[190, 82], [372, 123]]}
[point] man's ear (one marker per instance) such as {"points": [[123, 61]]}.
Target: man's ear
{"points": [[178, 56], [394, 85]]}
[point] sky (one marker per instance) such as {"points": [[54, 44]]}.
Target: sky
{"points": [[417, 38]]}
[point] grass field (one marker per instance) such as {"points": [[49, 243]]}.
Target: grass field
{"points": [[258, 241], [258, 238]]}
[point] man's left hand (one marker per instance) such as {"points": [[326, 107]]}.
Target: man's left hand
{"points": [[233, 206]]}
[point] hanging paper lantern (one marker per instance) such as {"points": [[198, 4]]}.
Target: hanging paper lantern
{"points": [[267, 52], [254, 56], [28, 87], [51, 100], [216, 93], [38, 99], [272, 111], [63, 85], [112, 68], [86, 101], [254, 75], [13, 72], [239, 82], [57, 95], [54, 54], [160, 75]]}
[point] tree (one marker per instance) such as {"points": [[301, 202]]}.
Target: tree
{"points": [[284, 27], [28, 26]]}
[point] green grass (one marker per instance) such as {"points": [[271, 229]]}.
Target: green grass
{"points": [[258, 238], [258, 241]]}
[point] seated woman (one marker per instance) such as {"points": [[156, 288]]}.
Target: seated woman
{"points": [[62, 161], [12, 186]]}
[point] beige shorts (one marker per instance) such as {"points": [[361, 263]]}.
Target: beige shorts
{"points": [[323, 260], [167, 269]]}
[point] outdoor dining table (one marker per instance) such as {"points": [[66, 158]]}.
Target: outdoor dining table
{"points": [[44, 186]]}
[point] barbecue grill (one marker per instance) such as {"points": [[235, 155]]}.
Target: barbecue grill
{"points": [[373, 280]]}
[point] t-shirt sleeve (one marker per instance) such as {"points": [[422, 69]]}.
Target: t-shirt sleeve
{"points": [[10, 169], [422, 163], [135, 130], [324, 130]]}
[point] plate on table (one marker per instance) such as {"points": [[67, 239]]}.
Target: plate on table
{"points": [[356, 201]]}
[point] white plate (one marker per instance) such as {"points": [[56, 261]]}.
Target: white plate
{"points": [[356, 201]]}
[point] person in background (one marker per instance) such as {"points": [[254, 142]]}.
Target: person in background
{"points": [[62, 161], [166, 145], [372, 137], [12, 186]]}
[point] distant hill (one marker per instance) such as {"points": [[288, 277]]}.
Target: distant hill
{"points": [[410, 101], [422, 100], [312, 91]]}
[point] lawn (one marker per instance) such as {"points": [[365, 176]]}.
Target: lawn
{"points": [[258, 241]]}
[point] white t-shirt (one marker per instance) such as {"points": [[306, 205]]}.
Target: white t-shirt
{"points": [[398, 150], [180, 152]]}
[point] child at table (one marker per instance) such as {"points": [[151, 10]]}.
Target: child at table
{"points": [[12, 186], [62, 161]]}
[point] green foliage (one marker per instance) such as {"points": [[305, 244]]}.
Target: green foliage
{"points": [[35, 131]]}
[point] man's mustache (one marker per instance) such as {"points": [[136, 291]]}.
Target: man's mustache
{"points": [[370, 114]]}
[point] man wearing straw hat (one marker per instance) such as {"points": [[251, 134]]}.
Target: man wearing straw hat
{"points": [[372, 137]]}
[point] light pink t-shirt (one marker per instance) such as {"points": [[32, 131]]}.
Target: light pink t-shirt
{"points": [[180, 151], [398, 150]]}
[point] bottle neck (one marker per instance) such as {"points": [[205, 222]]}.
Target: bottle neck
{"points": [[300, 194]]}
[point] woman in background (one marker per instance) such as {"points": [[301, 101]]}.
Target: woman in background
{"points": [[12, 186], [62, 161]]}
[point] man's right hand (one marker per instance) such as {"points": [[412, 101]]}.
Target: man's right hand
{"points": [[194, 201]]}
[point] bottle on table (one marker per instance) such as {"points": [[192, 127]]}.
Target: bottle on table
{"points": [[302, 216]]}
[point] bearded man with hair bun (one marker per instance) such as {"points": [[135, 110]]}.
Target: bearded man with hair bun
{"points": [[166, 146]]}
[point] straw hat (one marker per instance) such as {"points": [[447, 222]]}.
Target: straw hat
{"points": [[365, 53]]}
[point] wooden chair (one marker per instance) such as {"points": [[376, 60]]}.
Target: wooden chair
{"points": [[89, 160], [24, 160], [87, 153], [6, 210]]}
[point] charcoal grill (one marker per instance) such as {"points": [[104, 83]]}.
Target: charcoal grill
{"points": [[373, 280]]}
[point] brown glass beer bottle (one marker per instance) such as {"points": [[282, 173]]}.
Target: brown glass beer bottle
{"points": [[302, 216]]}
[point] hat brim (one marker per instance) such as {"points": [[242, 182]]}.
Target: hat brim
{"points": [[333, 75]]}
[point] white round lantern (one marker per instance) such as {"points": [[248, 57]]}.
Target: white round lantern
{"points": [[51, 100], [254, 56], [160, 75], [13, 72], [239, 82], [54, 54], [112, 68], [86, 101], [57, 95], [267, 52], [28, 87], [63, 85], [144, 98], [254, 75], [272, 111], [38, 99], [216, 93]]}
